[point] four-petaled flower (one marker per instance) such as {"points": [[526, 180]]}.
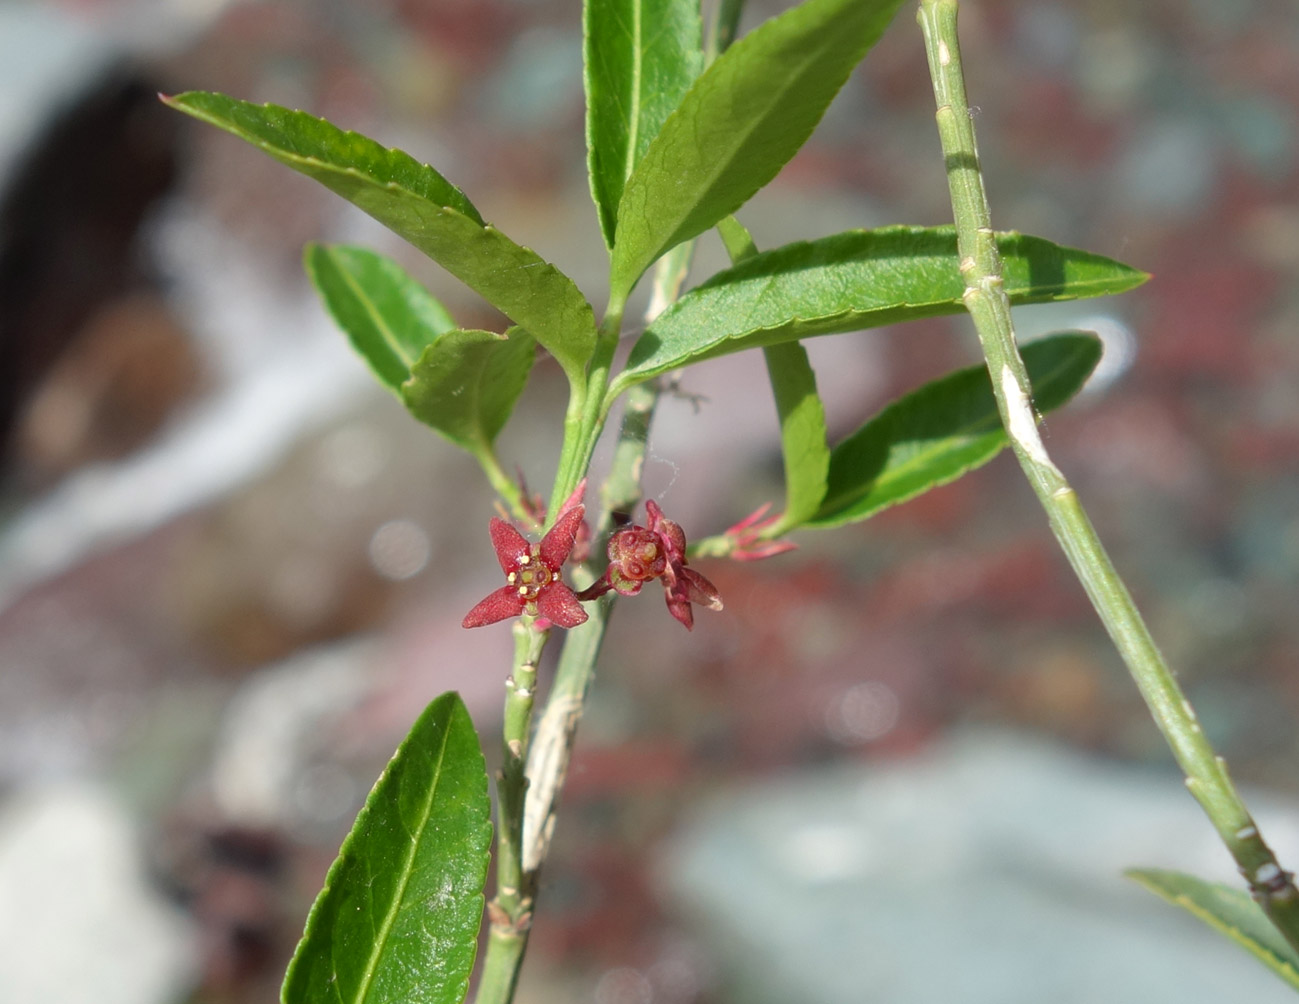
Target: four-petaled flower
{"points": [[533, 583], [638, 554]]}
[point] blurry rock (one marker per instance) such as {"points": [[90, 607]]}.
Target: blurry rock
{"points": [[274, 766], [285, 562], [109, 392], [79, 923], [986, 872], [70, 218]]}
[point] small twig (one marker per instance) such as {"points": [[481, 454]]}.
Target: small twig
{"points": [[985, 298]]}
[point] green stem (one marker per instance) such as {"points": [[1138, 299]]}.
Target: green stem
{"points": [[985, 298], [557, 730], [504, 485], [511, 910], [547, 756], [586, 414], [725, 26]]}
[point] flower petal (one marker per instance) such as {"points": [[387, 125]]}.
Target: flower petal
{"points": [[698, 589], [511, 547], [669, 532], [679, 607], [497, 606], [558, 542], [559, 603]]}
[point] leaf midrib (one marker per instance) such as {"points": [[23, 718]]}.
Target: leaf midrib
{"points": [[385, 330], [633, 117], [372, 964]]}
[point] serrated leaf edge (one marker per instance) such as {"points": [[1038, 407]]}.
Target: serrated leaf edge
{"points": [[178, 102], [362, 817]]}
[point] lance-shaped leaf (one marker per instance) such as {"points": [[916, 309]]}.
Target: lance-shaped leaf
{"points": [[851, 281], [937, 433], [802, 434], [1228, 911], [738, 125], [421, 206], [641, 58], [398, 917], [465, 384], [389, 318]]}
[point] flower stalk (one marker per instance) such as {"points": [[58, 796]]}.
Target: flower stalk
{"points": [[547, 756], [985, 298]]}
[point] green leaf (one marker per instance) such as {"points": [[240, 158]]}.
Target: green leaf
{"points": [[937, 433], [398, 917], [802, 433], [641, 58], [389, 318], [420, 205], [743, 119], [850, 281], [1228, 911], [465, 384]]}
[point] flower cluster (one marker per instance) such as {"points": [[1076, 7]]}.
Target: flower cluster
{"points": [[637, 554]]}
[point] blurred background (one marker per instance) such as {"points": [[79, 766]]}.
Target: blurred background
{"points": [[232, 569]]}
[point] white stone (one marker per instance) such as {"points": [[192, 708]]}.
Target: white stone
{"points": [[79, 921]]}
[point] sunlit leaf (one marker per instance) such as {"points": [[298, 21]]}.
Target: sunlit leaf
{"points": [[399, 915], [738, 125], [641, 58], [420, 205], [466, 383], [937, 433], [851, 281], [389, 318]]}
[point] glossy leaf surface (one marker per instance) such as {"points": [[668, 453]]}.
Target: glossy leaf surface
{"points": [[466, 383], [851, 281], [937, 433], [389, 318], [1228, 911], [738, 125], [421, 206], [641, 58], [398, 917]]}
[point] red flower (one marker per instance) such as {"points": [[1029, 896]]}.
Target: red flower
{"points": [[532, 573], [747, 541], [638, 554]]}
